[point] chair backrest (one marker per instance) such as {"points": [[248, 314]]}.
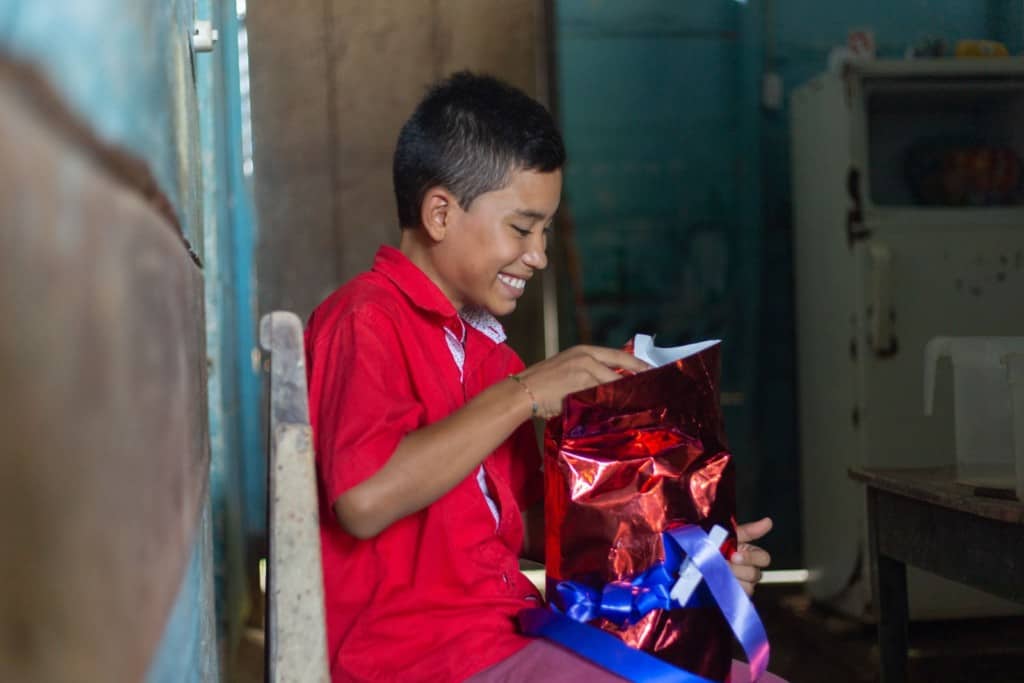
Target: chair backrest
{"points": [[296, 639]]}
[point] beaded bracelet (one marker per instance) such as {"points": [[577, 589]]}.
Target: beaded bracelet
{"points": [[534, 408]]}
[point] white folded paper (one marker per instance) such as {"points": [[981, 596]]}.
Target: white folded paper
{"points": [[645, 350]]}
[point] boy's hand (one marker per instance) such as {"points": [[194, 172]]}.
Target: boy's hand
{"points": [[748, 560], [575, 369]]}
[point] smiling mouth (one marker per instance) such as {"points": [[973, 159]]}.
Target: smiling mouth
{"points": [[515, 282]]}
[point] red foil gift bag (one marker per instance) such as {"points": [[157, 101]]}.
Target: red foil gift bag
{"points": [[624, 462]]}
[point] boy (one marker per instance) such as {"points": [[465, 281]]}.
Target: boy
{"points": [[425, 452]]}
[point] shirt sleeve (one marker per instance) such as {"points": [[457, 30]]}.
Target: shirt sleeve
{"points": [[361, 398]]}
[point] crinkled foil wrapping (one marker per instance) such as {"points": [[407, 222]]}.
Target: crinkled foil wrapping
{"points": [[625, 461]]}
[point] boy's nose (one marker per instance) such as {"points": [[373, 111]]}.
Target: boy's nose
{"points": [[535, 257]]}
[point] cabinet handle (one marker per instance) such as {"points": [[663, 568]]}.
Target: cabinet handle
{"points": [[880, 333], [855, 230]]}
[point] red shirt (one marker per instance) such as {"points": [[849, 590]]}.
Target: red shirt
{"points": [[434, 596]]}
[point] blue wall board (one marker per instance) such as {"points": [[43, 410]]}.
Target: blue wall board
{"points": [[222, 335], [249, 418]]}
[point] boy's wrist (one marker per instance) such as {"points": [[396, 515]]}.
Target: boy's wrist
{"points": [[524, 388]]}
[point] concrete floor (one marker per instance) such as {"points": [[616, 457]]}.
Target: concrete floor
{"points": [[247, 666], [811, 645]]}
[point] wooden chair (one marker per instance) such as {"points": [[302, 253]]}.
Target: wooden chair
{"points": [[296, 640]]}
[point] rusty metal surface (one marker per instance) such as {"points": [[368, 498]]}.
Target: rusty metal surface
{"points": [[127, 70], [104, 453], [41, 99]]}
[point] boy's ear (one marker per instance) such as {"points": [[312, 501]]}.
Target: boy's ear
{"points": [[436, 212]]}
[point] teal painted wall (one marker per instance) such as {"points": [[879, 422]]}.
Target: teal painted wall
{"points": [[663, 185], [678, 187]]}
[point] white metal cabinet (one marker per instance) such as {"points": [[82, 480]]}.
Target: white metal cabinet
{"points": [[878, 274]]}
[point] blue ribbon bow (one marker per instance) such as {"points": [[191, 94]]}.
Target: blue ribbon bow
{"points": [[624, 603]]}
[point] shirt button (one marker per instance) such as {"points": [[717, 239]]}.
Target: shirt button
{"points": [[504, 577]]}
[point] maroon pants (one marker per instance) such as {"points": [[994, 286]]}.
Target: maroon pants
{"points": [[544, 661]]}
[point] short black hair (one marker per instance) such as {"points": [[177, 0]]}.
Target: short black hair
{"points": [[469, 134]]}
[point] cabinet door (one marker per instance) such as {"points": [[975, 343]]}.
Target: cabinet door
{"points": [[917, 282]]}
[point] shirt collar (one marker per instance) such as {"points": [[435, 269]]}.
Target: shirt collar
{"points": [[412, 282], [421, 291]]}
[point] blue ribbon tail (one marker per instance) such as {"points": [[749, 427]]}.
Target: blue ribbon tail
{"points": [[735, 605], [602, 648]]}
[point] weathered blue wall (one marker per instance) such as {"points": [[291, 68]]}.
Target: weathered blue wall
{"points": [[232, 397], [248, 415]]}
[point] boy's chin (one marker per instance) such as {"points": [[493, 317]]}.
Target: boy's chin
{"points": [[505, 308]]}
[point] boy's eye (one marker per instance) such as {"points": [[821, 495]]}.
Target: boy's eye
{"points": [[523, 232]]}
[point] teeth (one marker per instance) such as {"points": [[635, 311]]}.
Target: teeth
{"points": [[516, 282]]}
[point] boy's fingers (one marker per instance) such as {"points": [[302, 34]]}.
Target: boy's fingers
{"points": [[614, 358], [603, 373], [752, 555], [746, 574], [753, 530]]}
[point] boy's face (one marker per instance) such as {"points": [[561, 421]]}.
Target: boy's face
{"points": [[489, 253]]}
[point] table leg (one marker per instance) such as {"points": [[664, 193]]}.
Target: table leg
{"points": [[889, 585]]}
